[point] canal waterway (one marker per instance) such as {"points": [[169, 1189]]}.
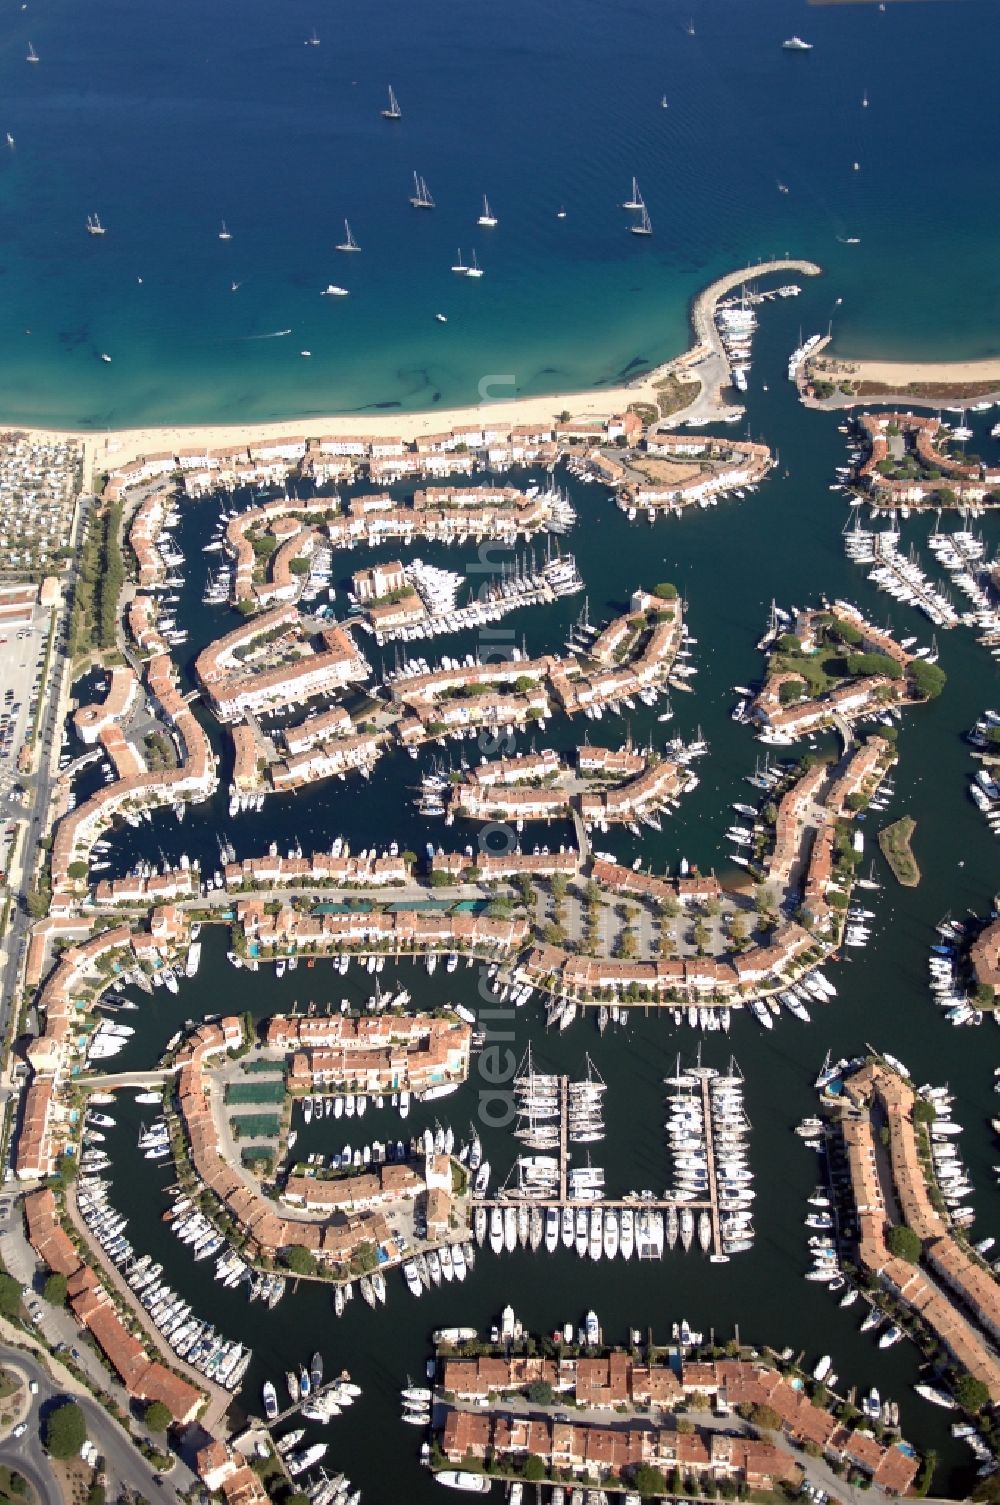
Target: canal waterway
{"points": [[784, 542]]}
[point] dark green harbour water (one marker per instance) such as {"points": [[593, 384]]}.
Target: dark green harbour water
{"points": [[729, 561]]}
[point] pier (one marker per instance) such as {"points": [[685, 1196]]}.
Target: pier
{"points": [[294, 1409], [637, 1204]]}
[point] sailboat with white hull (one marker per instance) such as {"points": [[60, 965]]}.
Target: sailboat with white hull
{"points": [[348, 243], [393, 112], [421, 196], [635, 199], [644, 227]]}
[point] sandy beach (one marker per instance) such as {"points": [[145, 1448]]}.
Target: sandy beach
{"points": [[899, 374], [115, 447]]}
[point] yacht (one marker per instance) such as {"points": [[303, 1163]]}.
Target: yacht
{"points": [[333, 291], [475, 270], [393, 112], [796, 44], [224, 233], [32, 54], [487, 218], [94, 226]]}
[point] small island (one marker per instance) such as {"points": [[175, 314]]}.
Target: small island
{"points": [[895, 843]]}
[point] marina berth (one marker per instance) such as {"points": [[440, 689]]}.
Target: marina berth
{"points": [[144, 1378]]}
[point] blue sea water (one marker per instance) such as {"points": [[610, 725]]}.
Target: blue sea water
{"points": [[165, 119]]}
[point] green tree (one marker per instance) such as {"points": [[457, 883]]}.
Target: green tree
{"points": [[38, 902], [791, 689], [534, 1468], [924, 1112], [78, 870], [765, 1417], [927, 679], [904, 1243], [541, 1393], [65, 1430], [971, 1394], [873, 663], [54, 1289], [299, 1260], [157, 1416], [649, 1480], [10, 1296], [665, 590]]}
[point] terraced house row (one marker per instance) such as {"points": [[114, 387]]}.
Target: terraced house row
{"points": [[954, 1295], [617, 1382]]}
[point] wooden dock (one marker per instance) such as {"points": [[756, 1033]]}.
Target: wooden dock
{"points": [[713, 1193]]}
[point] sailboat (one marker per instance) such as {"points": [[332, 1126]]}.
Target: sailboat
{"points": [[487, 217], [644, 227], [393, 112], [348, 243], [421, 198], [313, 40], [663, 102], [94, 226], [864, 100], [689, 28], [460, 266], [224, 233], [475, 270], [634, 200], [32, 54]]}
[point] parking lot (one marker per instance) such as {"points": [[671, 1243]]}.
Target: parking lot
{"points": [[22, 657]]}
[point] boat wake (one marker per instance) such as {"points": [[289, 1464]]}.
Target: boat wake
{"points": [[275, 334]]}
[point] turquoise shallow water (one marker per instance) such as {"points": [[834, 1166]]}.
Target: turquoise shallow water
{"points": [[165, 120]]}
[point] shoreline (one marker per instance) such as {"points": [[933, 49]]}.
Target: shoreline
{"points": [[908, 373], [922, 384], [112, 448]]}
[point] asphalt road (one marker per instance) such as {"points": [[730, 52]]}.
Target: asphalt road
{"points": [[40, 793], [125, 1467]]}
